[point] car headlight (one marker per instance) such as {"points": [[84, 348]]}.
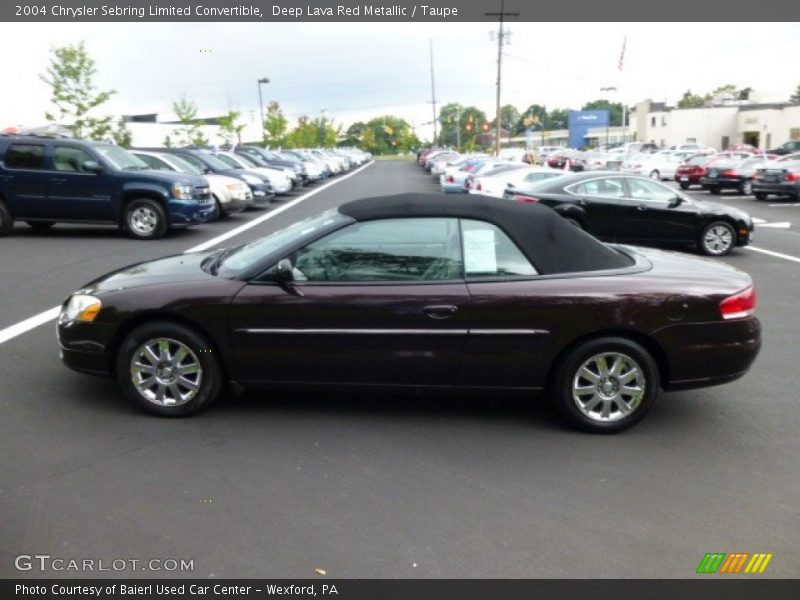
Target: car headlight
{"points": [[251, 179], [182, 192], [80, 307]]}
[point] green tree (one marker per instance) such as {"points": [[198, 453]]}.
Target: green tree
{"points": [[304, 134], [121, 135], [275, 125], [614, 110], [558, 118], [509, 118], [354, 136], [535, 116], [469, 121], [70, 76], [229, 129], [189, 133], [690, 100], [388, 135], [795, 98]]}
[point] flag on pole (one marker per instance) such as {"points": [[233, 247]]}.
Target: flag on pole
{"points": [[622, 54]]}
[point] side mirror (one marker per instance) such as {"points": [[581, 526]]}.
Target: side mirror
{"points": [[676, 201], [284, 272], [92, 166]]}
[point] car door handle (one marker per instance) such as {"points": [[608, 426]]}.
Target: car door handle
{"points": [[58, 180], [642, 207], [440, 311]]}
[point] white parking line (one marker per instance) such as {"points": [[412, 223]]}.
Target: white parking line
{"points": [[43, 317], [773, 253]]}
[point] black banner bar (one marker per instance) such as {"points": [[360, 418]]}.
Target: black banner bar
{"points": [[710, 588], [393, 10]]}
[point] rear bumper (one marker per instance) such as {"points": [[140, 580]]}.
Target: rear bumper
{"points": [[718, 182], [705, 354], [777, 188]]}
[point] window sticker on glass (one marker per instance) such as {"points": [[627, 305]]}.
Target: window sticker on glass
{"points": [[479, 251]]}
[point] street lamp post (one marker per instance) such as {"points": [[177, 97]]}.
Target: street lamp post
{"points": [[261, 109]]}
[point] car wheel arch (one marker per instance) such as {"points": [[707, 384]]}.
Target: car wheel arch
{"points": [[144, 318], [129, 196], [647, 342]]}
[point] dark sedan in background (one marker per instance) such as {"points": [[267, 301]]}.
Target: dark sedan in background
{"points": [[629, 208], [778, 179], [419, 291], [734, 174]]}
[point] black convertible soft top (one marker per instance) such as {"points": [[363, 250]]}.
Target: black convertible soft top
{"points": [[549, 242]]}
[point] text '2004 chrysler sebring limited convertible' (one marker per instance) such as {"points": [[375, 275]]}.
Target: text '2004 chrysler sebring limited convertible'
{"points": [[419, 291]]}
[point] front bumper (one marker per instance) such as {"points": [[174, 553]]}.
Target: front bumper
{"points": [[83, 347], [183, 213]]}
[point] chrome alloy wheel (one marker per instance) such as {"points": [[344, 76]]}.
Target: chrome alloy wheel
{"points": [[166, 372], [143, 220], [608, 386], [718, 239]]}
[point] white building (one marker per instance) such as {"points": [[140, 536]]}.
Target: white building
{"points": [[762, 125]]}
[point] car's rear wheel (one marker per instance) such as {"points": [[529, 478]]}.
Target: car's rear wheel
{"points": [[714, 189], [684, 185], [761, 196], [168, 369], [655, 175], [746, 188], [6, 220], [605, 385], [39, 225], [717, 238], [145, 219]]}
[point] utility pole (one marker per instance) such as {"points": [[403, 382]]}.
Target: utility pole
{"points": [[500, 39], [458, 128], [261, 81], [433, 94]]}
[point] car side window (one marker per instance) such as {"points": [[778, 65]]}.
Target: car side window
{"points": [[644, 189], [389, 250], [490, 253], [603, 187], [25, 156], [70, 159]]}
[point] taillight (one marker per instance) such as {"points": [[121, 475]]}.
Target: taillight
{"points": [[730, 173], [478, 186], [791, 177], [739, 305], [450, 179], [524, 199]]}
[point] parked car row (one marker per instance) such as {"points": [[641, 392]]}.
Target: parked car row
{"points": [[615, 206], [148, 191]]}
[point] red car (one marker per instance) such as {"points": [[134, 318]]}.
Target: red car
{"points": [[693, 168]]}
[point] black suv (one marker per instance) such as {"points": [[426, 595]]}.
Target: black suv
{"points": [[52, 180]]}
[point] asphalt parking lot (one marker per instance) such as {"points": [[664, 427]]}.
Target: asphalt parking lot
{"points": [[380, 485]]}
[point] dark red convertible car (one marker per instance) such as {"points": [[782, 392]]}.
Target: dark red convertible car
{"points": [[419, 291]]}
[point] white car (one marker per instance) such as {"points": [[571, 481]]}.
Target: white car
{"points": [[661, 165], [230, 194], [280, 181], [496, 185]]}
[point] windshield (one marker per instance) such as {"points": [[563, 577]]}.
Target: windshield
{"points": [[240, 259], [120, 158], [229, 161], [182, 165]]}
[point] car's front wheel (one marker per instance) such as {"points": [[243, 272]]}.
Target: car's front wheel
{"points": [[761, 196], [145, 219], [605, 385], [168, 369], [717, 238]]}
